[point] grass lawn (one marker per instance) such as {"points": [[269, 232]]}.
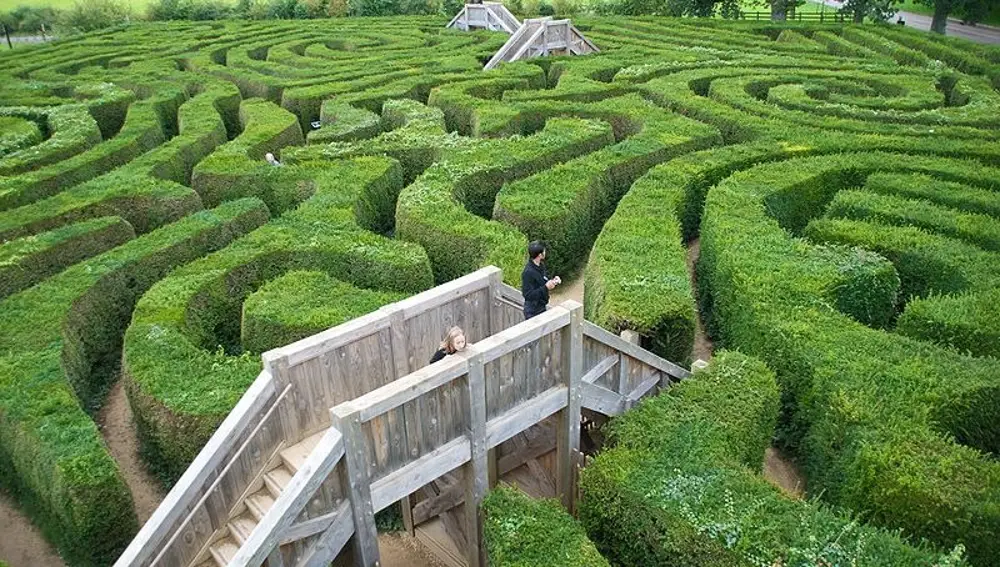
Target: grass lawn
{"points": [[917, 8], [138, 6]]}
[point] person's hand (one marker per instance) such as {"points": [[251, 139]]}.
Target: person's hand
{"points": [[558, 280], [550, 284]]}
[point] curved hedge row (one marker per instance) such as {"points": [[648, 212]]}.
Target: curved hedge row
{"points": [[681, 486], [839, 243]]}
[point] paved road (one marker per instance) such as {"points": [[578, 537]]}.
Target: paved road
{"points": [[978, 33]]}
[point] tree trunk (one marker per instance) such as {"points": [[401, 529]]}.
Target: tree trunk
{"points": [[940, 19], [778, 10], [859, 11]]}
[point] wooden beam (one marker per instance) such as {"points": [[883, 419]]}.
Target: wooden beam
{"points": [[476, 479], [330, 339], [293, 499], [329, 544], [275, 559], [568, 429], [600, 369], [316, 525], [446, 292], [412, 386], [642, 389], [602, 400], [180, 501], [610, 339], [523, 334], [454, 495], [357, 485], [407, 479], [526, 414]]}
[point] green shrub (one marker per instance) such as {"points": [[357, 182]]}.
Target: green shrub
{"points": [[681, 485], [871, 414], [299, 304], [28, 260], [55, 338], [90, 15], [917, 186], [965, 322], [522, 532]]}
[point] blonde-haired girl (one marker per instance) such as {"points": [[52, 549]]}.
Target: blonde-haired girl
{"points": [[453, 342]]}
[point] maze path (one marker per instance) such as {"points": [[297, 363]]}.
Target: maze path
{"points": [[126, 155]]}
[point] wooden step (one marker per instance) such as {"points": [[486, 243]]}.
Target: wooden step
{"points": [[241, 526], [259, 503], [277, 479], [224, 550], [295, 456]]}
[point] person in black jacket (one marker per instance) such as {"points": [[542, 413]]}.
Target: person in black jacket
{"points": [[535, 283], [453, 342]]}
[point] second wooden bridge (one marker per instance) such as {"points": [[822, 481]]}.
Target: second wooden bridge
{"points": [[350, 421]]}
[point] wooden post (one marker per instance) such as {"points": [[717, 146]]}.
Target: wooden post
{"points": [[401, 367], [624, 366], [496, 310], [476, 470], [357, 485], [568, 434]]}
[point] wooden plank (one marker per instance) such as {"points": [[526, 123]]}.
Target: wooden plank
{"points": [[291, 501], [313, 526], [275, 559], [354, 476], [446, 292], [523, 334], [412, 386], [568, 429], [502, 428], [642, 389], [330, 339], [476, 471], [175, 507], [328, 545], [606, 364], [411, 477], [602, 400], [625, 364], [601, 335]]}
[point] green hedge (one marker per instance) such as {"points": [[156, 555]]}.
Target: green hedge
{"points": [[434, 211], [966, 322], [189, 323], [874, 416], [237, 169], [342, 122], [681, 485], [28, 260], [18, 133], [55, 338], [522, 532], [917, 186], [303, 303]]}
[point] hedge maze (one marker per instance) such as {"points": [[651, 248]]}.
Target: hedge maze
{"points": [[842, 183]]}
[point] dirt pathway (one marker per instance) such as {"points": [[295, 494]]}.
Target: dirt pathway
{"points": [[21, 543], [703, 346], [570, 289], [118, 428], [402, 550]]}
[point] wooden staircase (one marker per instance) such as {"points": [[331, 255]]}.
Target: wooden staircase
{"points": [[541, 37], [261, 496]]}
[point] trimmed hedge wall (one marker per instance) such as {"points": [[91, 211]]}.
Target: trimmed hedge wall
{"points": [[681, 485], [29, 260], [303, 303], [54, 338], [522, 532], [874, 416], [188, 324]]}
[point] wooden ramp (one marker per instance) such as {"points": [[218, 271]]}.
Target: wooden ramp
{"points": [[492, 16], [542, 37], [348, 422]]}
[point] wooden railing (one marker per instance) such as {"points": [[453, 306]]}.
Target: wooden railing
{"points": [[397, 424]]}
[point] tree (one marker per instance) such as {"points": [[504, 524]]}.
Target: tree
{"points": [[942, 9], [878, 10]]}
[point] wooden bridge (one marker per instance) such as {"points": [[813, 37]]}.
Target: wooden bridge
{"points": [[350, 421], [541, 37]]}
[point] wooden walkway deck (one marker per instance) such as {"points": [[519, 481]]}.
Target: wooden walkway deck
{"points": [[350, 421]]}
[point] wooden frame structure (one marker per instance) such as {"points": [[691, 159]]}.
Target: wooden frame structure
{"points": [[360, 424], [492, 16], [541, 37]]}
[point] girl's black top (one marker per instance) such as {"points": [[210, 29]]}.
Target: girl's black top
{"points": [[441, 353]]}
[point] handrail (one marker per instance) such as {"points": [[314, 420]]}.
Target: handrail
{"points": [[222, 475], [292, 500], [140, 552], [612, 340]]}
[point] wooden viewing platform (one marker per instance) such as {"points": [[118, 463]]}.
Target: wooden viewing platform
{"points": [[492, 16], [350, 421]]}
